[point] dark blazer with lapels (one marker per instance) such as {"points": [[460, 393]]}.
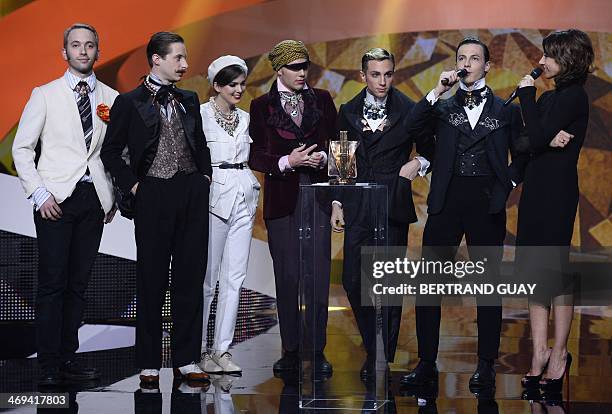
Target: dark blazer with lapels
{"points": [[499, 125], [135, 122], [275, 135], [381, 154]]}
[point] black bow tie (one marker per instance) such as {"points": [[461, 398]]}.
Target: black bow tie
{"points": [[164, 93], [471, 99]]}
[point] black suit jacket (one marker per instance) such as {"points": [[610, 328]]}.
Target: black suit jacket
{"points": [[135, 122], [381, 164], [501, 128]]}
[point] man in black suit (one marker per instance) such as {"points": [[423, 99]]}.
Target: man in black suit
{"points": [[470, 182], [169, 177], [379, 118]]}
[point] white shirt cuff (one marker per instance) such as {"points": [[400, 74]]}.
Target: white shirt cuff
{"points": [[39, 196], [323, 163], [431, 97], [339, 204], [513, 183], [283, 164], [424, 165]]}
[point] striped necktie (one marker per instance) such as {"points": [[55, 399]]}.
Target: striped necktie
{"points": [[84, 106]]}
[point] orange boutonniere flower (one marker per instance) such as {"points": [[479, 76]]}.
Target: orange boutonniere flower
{"points": [[103, 111]]}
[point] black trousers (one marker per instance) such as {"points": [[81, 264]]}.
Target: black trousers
{"points": [[465, 212], [284, 244], [67, 249], [357, 234], [171, 225]]}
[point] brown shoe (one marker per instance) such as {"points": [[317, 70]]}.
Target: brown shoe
{"points": [[187, 386], [149, 377], [190, 372]]}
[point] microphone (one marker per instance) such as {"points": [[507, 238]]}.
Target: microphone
{"points": [[535, 73], [462, 73]]}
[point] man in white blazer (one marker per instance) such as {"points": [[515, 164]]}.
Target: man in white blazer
{"points": [[57, 157]]}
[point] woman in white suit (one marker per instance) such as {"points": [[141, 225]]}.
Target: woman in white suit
{"points": [[233, 200]]}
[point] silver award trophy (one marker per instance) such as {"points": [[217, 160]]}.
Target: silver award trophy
{"points": [[342, 165]]}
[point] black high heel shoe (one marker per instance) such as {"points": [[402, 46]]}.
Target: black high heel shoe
{"points": [[555, 385], [533, 381], [531, 394]]}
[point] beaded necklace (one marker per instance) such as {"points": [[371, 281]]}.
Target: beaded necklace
{"points": [[229, 122]]}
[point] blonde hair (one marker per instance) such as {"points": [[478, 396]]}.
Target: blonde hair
{"points": [[376, 53], [80, 26]]}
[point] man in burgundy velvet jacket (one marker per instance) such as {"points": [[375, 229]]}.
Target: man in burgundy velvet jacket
{"points": [[290, 127]]}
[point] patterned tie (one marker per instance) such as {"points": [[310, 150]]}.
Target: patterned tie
{"points": [[84, 106]]}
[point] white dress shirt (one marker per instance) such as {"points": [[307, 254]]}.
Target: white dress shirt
{"points": [[474, 113]]}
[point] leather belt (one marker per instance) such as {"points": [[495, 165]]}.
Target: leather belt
{"points": [[227, 166]]}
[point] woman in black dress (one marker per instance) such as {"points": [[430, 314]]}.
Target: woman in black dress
{"points": [[556, 126]]}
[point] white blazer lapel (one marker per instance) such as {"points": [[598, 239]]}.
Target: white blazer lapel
{"points": [[97, 122], [70, 103]]}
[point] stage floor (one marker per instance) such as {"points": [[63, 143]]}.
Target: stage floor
{"points": [[259, 391]]}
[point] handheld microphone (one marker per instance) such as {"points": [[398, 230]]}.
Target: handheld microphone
{"points": [[462, 73], [535, 73]]}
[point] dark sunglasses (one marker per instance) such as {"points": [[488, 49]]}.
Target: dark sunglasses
{"points": [[296, 67]]}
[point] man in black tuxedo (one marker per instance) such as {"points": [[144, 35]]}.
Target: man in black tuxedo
{"points": [[379, 118], [470, 182], [169, 177]]}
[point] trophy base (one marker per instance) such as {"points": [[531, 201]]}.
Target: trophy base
{"points": [[342, 181]]}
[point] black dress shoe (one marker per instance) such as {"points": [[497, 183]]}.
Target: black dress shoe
{"points": [[484, 376], [289, 362], [72, 370], [425, 373], [368, 369], [322, 365], [50, 377]]}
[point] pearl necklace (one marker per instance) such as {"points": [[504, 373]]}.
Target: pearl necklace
{"points": [[229, 122]]}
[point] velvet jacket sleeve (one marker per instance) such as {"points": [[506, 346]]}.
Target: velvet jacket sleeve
{"points": [[420, 123], [204, 154], [260, 158], [115, 141], [331, 117], [519, 149], [569, 106], [341, 125]]}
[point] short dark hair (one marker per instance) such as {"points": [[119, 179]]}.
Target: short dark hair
{"points": [[80, 26], [378, 54], [473, 41], [159, 44], [228, 74], [573, 51]]}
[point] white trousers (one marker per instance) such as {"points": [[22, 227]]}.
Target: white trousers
{"points": [[229, 243]]}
